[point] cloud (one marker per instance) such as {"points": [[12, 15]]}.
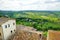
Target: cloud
{"points": [[29, 5], [53, 1]]}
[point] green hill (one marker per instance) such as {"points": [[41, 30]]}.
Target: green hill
{"points": [[41, 20], [30, 14]]}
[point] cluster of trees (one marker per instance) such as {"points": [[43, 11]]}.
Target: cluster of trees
{"points": [[39, 24]]}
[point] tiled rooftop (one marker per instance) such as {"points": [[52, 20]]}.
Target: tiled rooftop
{"points": [[3, 20], [28, 29], [22, 27]]}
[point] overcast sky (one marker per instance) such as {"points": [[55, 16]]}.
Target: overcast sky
{"points": [[29, 4]]}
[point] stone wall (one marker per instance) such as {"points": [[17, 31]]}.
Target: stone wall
{"points": [[53, 35]]}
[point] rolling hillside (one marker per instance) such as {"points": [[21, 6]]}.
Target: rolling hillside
{"points": [[41, 20], [30, 14]]}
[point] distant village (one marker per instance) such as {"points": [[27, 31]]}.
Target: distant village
{"points": [[10, 31]]}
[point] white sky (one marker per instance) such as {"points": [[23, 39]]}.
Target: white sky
{"points": [[29, 4]]}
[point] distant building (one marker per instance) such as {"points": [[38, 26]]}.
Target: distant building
{"points": [[7, 28]]}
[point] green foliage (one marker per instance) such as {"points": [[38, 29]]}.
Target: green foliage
{"points": [[42, 25], [45, 33], [41, 20]]}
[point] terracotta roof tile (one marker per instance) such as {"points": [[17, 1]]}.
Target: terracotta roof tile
{"points": [[3, 20]]}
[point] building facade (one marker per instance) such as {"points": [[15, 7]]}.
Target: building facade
{"points": [[7, 28]]}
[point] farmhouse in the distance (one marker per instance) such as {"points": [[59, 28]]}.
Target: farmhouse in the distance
{"points": [[7, 27]]}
